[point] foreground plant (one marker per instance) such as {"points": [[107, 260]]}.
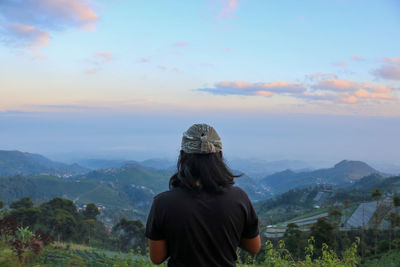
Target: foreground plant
{"points": [[281, 257]]}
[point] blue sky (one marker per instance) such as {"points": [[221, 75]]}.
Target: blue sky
{"points": [[148, 62]]}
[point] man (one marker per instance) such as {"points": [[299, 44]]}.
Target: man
{"points": [[203, 218]]}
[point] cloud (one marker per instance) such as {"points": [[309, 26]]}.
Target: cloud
{"points": [[228, 8], [319, 75], [160, 67], [91, 71], [29, 37], [144, 60], [390, 69], [50, 14], [180, 44], [97, 60], [391, 59], [357, 58], [28, 23], [226, 49], [11, 112], [352, 92], [336, 84], [329, 89], [103, 57], [340, 64], [260, 89]]}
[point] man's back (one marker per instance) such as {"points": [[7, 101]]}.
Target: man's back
{"points": [[202, 229]]}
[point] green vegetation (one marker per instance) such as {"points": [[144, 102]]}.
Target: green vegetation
{"points": [[22, 163], [84, 241], [301, 202], [130, 187]]}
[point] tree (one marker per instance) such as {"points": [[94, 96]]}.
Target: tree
{"points": [[346, 203], [1, 204], [396, 201], [91, 211], [26, 216], [394, 220], [61, 217], [292, 238], [336, 215], [323, 232], [25, 202], [89, 224], [64, 224], [377, 194], [130, 234]]}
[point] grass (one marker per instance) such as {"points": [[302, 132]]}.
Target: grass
{"points": [[311, 213], [389, 259]]}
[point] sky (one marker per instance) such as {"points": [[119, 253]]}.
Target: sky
{"points": [[307, 80]]}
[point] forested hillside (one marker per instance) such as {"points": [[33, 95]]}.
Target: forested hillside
{"points": [[22, 163], [342, 174]]}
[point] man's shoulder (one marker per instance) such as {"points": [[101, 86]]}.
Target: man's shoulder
{"points": [[237, 190], [169, 194], [178, 193]]}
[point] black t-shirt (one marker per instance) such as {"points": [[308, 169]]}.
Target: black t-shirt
{"points": [[202, 229]]}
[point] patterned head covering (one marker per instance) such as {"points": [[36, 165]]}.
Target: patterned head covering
{"points": [[201, 139]]}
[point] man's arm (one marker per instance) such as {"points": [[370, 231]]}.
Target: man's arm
{"points": [[251, 245], [158, 251]]}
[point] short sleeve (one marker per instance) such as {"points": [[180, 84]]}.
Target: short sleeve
{"points": [[154, 224], [250, 229]]}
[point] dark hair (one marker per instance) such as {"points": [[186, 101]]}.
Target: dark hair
{"points": [[209, 170]]}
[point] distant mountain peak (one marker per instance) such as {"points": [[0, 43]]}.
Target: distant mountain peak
{"points": [[354, 164], [14, 162]]}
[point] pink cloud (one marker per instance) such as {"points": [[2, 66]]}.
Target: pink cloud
{"points": [[30, 37], [349, 99], [144, 60], [78, 12], [390, 69], [391, 59], [336, 84], [29, 23], [357, 58], [260, 89], [103, 57], [327, 90], [226, 49], [350, 86], [228, 8], [91, 71], [264, 93], [340, 64], [98, 60], [176, 70], [180, 44], [320, 75], [352, 92]]}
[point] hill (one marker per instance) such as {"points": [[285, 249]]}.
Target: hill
{"points": [[317, 199], [98, 164], [23, 163], [258, 169], [344, 173], [130, 188]]}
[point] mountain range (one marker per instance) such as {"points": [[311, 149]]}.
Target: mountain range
{"points": [[23, 163], [131, 185], [343, 173]]}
